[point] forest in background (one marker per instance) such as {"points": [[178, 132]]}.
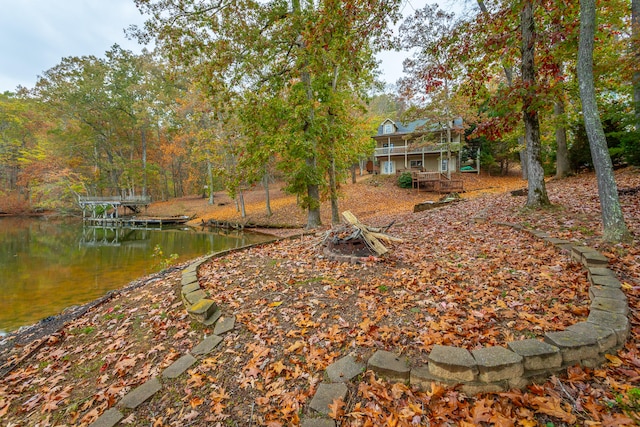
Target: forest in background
{"points": [[237, 93]]}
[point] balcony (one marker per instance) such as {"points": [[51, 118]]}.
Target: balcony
{"points": [[412, 149]]}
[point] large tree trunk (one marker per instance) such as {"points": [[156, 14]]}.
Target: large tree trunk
{"points": [[615, 228], [313, 189], [635, 36], [537, 192], [562, 154]]}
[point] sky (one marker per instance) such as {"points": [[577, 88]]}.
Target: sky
{"points": [[36, 34]]}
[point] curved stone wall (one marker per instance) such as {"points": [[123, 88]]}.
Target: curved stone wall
{"points": [[494, 369]]}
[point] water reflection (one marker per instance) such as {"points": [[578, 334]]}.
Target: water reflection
{"points": [[46, 266]]}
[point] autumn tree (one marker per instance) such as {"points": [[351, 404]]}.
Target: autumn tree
{"points": [[615, 228], [105, 110], [295, 50], [23, 160], [537, 194], [13, 139]]}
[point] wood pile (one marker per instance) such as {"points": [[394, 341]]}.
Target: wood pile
{"points": [[356, 238]]}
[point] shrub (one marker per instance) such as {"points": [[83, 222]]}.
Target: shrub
{"points": [[405, 180]]}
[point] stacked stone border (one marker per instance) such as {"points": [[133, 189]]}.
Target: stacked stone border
{"points": [[485, 370], [498, 369]]}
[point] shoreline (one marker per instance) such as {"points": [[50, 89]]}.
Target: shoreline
{"points": [[28, 334]]}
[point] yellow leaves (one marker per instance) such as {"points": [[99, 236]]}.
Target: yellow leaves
{"points": [[278, 367], [218, 395], [196, 379], [295, 347], [194, 402], [275, 304], [336, 409], [365, 325], [614, 360]]}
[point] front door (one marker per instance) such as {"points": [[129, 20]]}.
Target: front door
{"points": [[388, 167]]}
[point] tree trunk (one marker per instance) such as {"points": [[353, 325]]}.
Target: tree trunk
{"points": [[353, 173], [265, 183], [635, 44], [562, 154], [210, 176], [313, 212], [313, 189], [333, 190], [537, 192], [448, 148], [144, 162], [615, 229], [243, 212]]}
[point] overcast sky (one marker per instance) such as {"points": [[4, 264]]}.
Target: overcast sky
{"points": [[36, 34]]}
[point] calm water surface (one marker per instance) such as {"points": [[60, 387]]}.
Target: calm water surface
{"points": [[46, 266]]}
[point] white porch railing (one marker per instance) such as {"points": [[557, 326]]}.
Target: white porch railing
{"points": [[406, 150]]}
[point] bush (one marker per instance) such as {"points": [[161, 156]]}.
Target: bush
{"points": [[631, 148], [405, 180]]}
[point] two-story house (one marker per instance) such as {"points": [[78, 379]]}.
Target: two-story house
{"points": [[419, 145]]}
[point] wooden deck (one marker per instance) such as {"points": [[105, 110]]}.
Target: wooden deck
{"points": [[436, 182]]}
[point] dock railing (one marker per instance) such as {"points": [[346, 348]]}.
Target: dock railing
{"points": [[138, 200]]}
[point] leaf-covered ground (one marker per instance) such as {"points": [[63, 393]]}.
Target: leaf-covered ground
{"points": [[453, 281]]}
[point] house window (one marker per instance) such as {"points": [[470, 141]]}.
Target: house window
{"points": [[445, 165], [388, 128], [415, 164]]}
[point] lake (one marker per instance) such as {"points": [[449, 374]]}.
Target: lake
{"points": [[48, 265]]}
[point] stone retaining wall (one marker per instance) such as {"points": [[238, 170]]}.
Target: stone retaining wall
{"points": [[495, 369]]}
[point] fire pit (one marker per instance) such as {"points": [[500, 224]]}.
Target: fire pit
{"points": [[355, 242]]}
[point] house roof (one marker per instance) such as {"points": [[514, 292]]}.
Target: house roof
{"points": [[414, 125]]}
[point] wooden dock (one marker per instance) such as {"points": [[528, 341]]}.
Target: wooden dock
{"points": [[104, 211], [137, 222]]}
